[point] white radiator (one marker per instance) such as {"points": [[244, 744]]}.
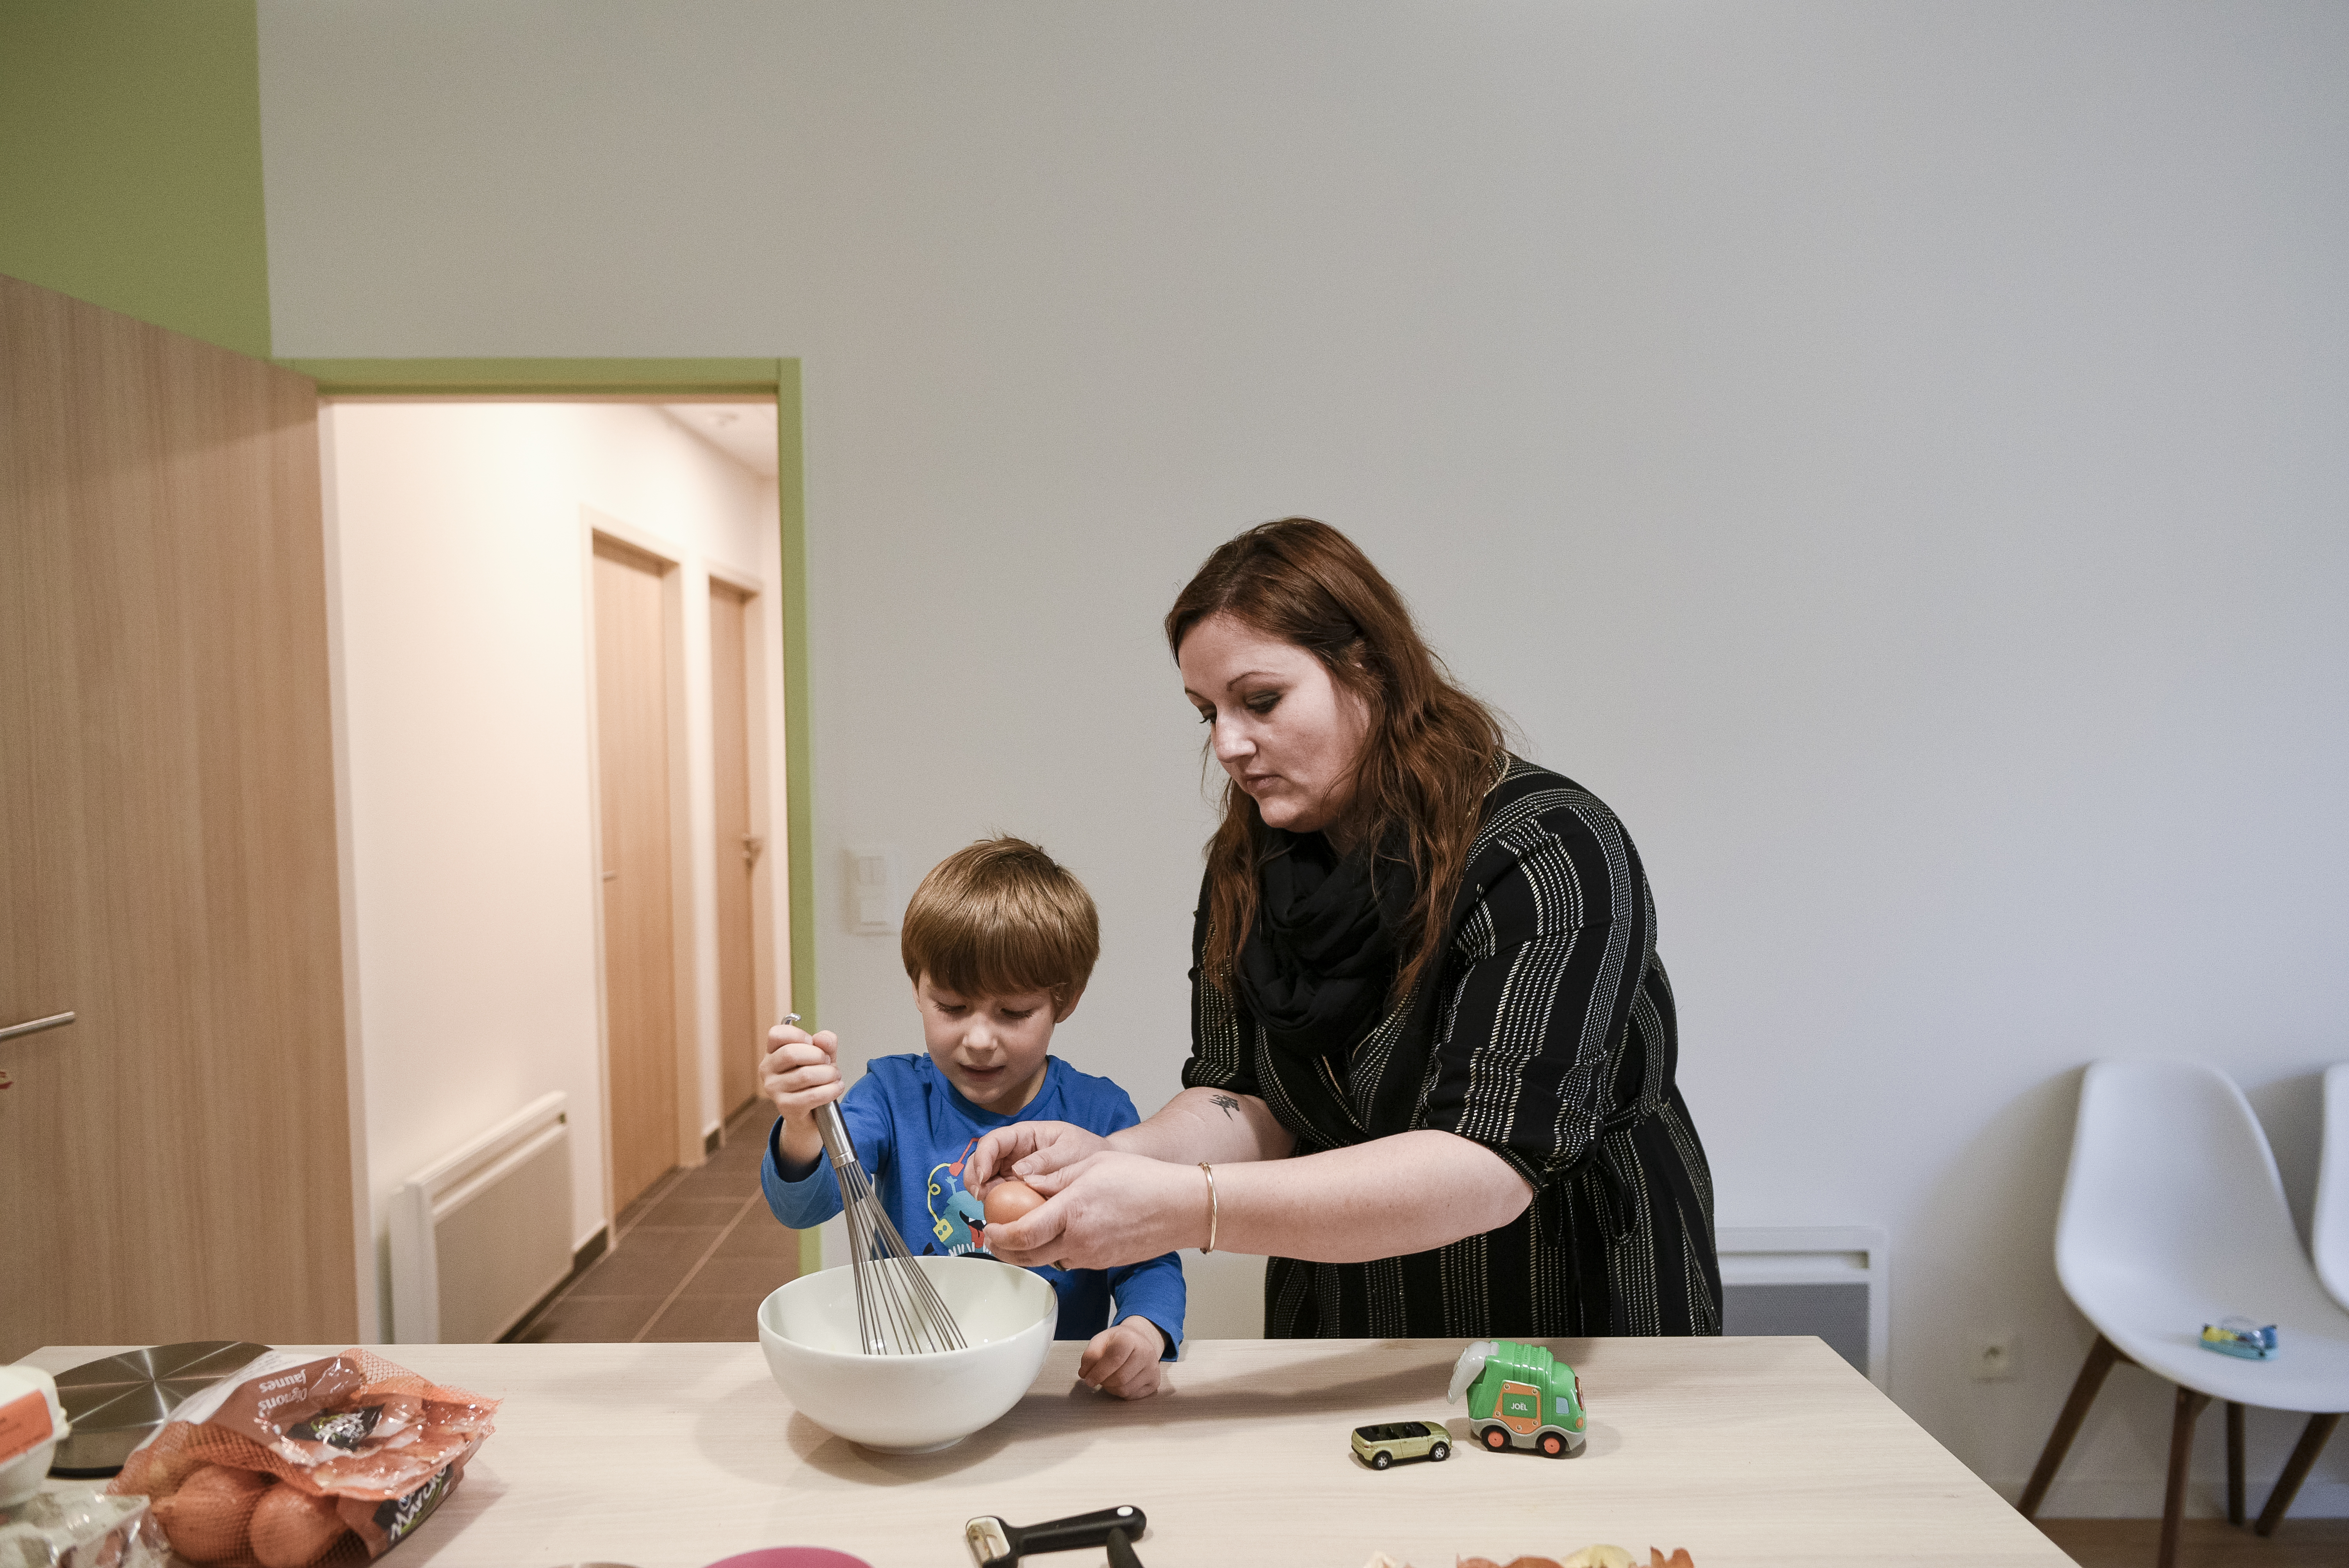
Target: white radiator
{"points": [[1834, 1281], [480, 1237]]}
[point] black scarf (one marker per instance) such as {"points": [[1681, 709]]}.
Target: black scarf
{"points": [[1320, 956]]}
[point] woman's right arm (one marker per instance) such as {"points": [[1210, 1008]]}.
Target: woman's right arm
{"points": [[1199, 1124], [1210, 1124]]}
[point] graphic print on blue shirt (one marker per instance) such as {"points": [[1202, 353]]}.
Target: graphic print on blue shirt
{"points": [[957, 1220]]}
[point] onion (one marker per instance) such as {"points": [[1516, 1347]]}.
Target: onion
{"points": [[292, 1529], [206, 1518]]}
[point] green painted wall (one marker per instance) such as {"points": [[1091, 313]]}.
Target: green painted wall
{"points": [[131, 160]]}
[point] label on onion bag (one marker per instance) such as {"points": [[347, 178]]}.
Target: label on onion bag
{"points": [[270, 1364], [341, 1429], [383, 1525], [402, 1515], [23, 1425], [272, 1401]]}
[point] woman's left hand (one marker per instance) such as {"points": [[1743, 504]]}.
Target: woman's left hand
{"points": [[1105, 1211]]}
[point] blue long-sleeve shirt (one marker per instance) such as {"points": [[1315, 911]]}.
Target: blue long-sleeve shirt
{"points": [[913, 1131]]}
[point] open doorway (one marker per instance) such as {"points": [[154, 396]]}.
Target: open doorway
{"points": [[566, 647]]}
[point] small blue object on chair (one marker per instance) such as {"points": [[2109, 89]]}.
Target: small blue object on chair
{"points": [[2240, 1337]]}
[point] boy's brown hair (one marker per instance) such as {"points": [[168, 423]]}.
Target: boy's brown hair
{"points": [[1000, 917]]}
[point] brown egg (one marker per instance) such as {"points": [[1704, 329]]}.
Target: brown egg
{"points": [[1010, 1199], [206, 1518], [291, 1528]]}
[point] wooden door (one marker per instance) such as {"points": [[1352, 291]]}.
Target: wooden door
{"points": [[175, 1164], [742, 1040], [633, 749]]}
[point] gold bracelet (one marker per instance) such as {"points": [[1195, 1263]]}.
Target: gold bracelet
{"points": [[1211, 1207]]}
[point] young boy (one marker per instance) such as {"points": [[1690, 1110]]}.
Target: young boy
{"points": [[998, 942]]}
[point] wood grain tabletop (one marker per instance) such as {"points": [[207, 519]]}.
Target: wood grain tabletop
{"points": [[1744, 1451]]}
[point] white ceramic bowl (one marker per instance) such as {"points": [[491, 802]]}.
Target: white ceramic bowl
{"points": [[910, 1404]]}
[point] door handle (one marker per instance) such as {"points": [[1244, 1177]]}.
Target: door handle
{"points": [[35, 1026], [753, 846]]}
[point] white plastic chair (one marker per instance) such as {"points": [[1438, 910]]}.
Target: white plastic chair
{"points": [[2174, 1217], [2328, 1231]]}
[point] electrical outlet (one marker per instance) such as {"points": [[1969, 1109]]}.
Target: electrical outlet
{"points": [[1994, 1358]]}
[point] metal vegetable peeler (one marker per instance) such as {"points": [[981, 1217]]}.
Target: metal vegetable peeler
{"points": [[996, 1545]]}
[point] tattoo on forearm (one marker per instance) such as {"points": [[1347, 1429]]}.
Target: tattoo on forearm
{"points": [[1227, 1101]]}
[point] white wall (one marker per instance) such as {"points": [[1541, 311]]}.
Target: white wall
{"points": [[1890, 451], [461, 547]]}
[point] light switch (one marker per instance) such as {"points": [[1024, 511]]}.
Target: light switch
{"points": [[872, 888]]}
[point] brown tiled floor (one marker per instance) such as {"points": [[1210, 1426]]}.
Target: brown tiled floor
{"points": [[691, 1259], [2203, 1544]]}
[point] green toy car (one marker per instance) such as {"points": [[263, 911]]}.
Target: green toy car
{"points": [[1381, 1445], [1520, 1397]]}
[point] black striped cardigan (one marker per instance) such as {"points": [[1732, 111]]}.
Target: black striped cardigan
{"points": [[1544, 1033]]}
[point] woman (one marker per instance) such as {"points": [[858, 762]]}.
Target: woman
{"points": [[1432, 1047]]}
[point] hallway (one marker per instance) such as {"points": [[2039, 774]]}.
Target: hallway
{"points": [[694, 1256]]}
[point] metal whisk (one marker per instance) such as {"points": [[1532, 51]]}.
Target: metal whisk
{"points": [[898, 1311]]}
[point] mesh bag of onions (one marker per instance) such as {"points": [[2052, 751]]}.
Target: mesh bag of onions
{"points": [[293, 1462]]}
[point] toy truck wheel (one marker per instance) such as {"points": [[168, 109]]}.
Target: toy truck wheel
{"points": [[1552, 1444], [1440, 1451], [1496, 1438], [1380, 1460]]}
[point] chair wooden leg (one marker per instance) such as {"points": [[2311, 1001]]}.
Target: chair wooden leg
{"points": [[2234, 1462], [2295, 1470], [2181, 1449], [2102, 1354]]}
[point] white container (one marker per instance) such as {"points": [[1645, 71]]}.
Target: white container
{"points": [[31, 1423], [910, 1404]]}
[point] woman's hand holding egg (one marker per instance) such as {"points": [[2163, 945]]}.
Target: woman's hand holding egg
{"points": [[1107, 1210]]}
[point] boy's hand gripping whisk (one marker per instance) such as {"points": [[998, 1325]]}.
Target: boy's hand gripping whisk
{"points": [[898, 1311]]}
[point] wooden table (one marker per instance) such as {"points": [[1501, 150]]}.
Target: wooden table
{"points": [[1746, 1451]]}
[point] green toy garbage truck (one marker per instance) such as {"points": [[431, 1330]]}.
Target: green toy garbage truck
{"points": [[1520, 1397]]}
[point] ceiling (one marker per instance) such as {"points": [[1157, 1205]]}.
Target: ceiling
{"points": [[745, 433]]}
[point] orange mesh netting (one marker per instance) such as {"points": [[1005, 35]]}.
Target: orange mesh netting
{"points": [[383, 1435]]}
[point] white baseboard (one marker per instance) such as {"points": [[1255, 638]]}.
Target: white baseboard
{"points": [[2318, 1498]]}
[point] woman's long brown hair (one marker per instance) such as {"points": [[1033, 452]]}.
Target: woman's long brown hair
{"points": [[1428, 754]]}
